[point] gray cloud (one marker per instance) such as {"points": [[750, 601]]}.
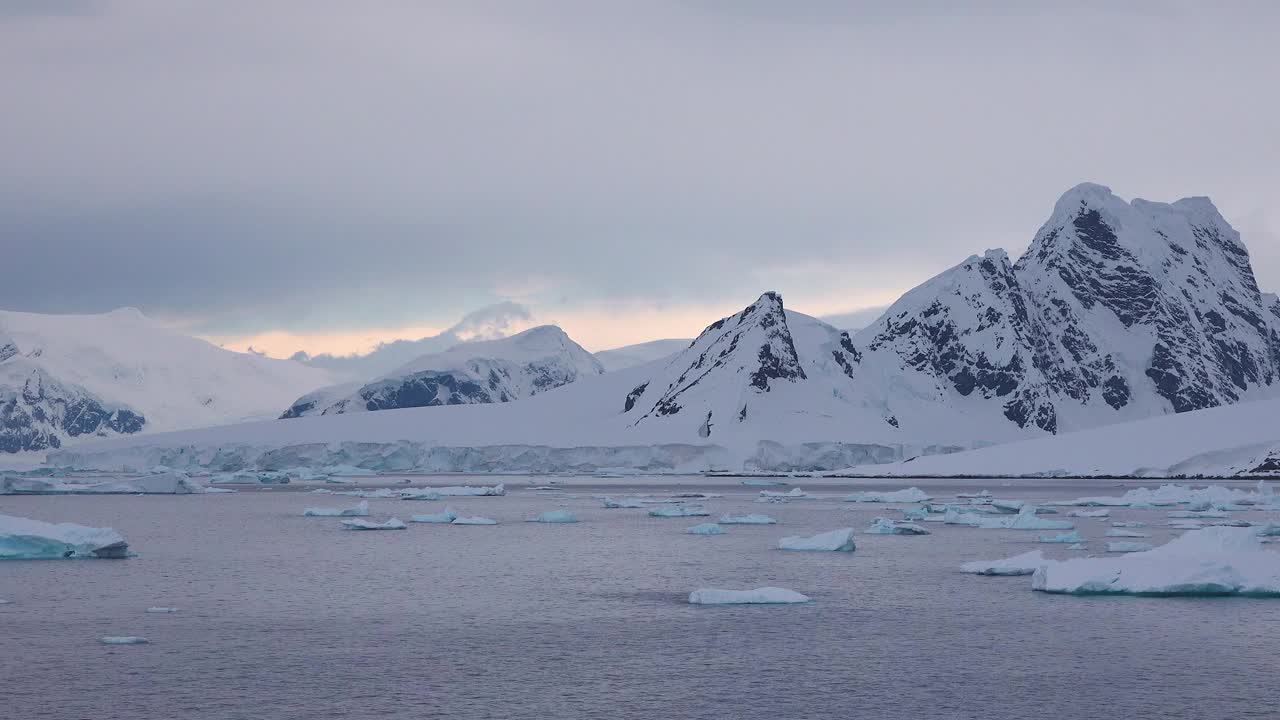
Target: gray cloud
{"points": [[320, 164]]}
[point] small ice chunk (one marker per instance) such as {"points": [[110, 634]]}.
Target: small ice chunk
{"points": [[1186, 524], [760, 482], [124, 640], [676, 511], [360, 510], [918, 514], [1268, 530], [360, 524], [448, 515], [705, 529], [885, 526], [474, 520], [1127, 547], [759, 596], [1103, 513], [1023, 564], [977, 495], [161, 610], [1196, 514], [555, 516], [1025, 520], [833, 541], [1129, 524], [25, 539], [792, 494], [1077, 546], [626, 502], [1067, 537], [751, 519], [907, 495], [956, 517]]}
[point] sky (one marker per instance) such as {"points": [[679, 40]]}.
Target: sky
{"points": [[320, 175]]}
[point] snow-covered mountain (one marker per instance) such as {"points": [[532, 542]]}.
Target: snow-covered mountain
{"points": [[1117, 311], [76, 376], [492, 371], [646, 352]]}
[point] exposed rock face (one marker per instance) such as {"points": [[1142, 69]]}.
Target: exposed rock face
{"points": [[37, 412], [495, 371]]}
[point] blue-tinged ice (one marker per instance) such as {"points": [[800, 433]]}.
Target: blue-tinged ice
{"points": [[25, 539], [705, 529], [834, 541]]}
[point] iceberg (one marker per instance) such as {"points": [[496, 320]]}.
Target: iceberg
{"points": [[440, 518], [1067, 537], [25, 539], [752, 519], [626, 502], [792, 494], [705, 529], [1122, 533], [1104, 513], [908, 495], [1023, 564], [170, 483], [451, 491], [474, 520], [359, 524], [759, 596], [885, 526], [956, 517], [1025, 520], [1211, 561], [1268, 530], [555, 516], [1174, 494], [360, 510], [915, 513], [124, 640], [1077, 546], [675, 511], [834, 541], [1127, 547]]}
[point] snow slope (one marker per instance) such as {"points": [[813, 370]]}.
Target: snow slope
{"points": [[1242, 439], [133, 374], [492, 371], [641, 353]]}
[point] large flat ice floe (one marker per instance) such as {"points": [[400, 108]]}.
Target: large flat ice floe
{"points": [[834, 541], [360, 510], [25, 539], [759, 596], [907, 495], [1024, 564], [1025, 520], [159, 484], [362, 524], [1211, 561], [555, 517], [473, 520], [676, 511], [705, 529], [453, 491], [444, 517], [751, 519]]}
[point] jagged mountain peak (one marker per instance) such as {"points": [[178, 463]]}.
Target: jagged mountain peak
{"points": [[744, 354]]}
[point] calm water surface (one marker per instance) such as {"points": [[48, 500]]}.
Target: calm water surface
{"points": [[291, 617]]}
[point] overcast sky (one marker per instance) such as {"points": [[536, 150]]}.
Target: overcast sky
{"points": [[320, 175]]}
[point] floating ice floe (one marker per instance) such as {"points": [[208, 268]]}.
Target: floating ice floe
{"points": [[444, 517], [1185, 524], [1066, 537], [919, 514], [974, 496], [885, 526], [360, 510], [1024, 564], [1122, 533], [25, 539], [1211, 561], [474, 520], [360, 524], [161, 610], [705, 529], [626, 502], [1231, 523], [1025, 520], [170, 483], [453, 491], [834, 541], [676, 511], [956, 517], [758, 482], [1127, 547], [751, 519], [792, 494], [908, 495], [1128, 524], [1077, 546], [1268, 530], [1104, 513], [759, 596], [1197, 514], [246, 477], [555, 516], [124, 640], [1174, 494]]}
